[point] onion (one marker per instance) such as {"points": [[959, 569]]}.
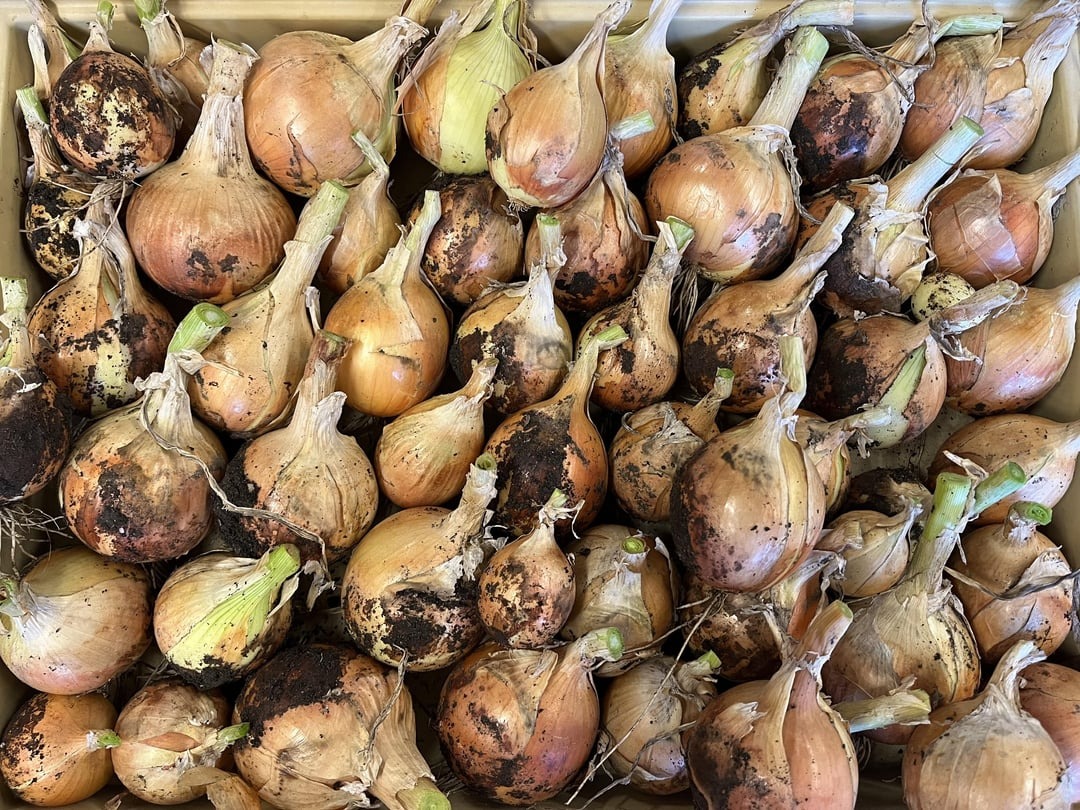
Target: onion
{"points": [[55, 195], [397, 325], [247, 387], [986, 751], [310, 91], [1046, 448], [422, 457], [723, 87], [478, 241], [788, 745], [602, 229], [521, 327], [853, 114], [992, 225], [463, 73], [1018, 561], [639, 74], [168, 728], [369, 227], [219, 617], [62, 49], [739, 327], [74, 621], [1050, 693], [500, 710], [644, 711], [527, 590], [732, 187], [409, 593], [35, 418], [99, 330], [308, 472], [327, 727], [207, 226], [875, 548], [653, 443], [626, 580], [1010, 362], [554, 445], [546, 136], [642, 370], [881, 259], [108, 116], [135, 486], [56, 748], [826, 445], [917, 629], [749, 505]]}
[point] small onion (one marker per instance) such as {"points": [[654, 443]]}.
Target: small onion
{"points": [[875, 549]]}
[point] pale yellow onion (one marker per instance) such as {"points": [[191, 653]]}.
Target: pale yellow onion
{"points": [[248, 385], [74, 621], [57, 749], [398, 327], [546, 136], [875, 548], [1050, 692], [218, 617], [423, 456], [465, 71]]}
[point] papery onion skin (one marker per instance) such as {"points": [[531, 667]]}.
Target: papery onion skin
{"points": [[91, 621], [46, 756], [1051, 693]]}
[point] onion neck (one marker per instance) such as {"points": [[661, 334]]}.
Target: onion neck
{"points": [[313, 232], [828, 437], [702, 417], [1022, 523], [423, 795], [100, 25], [402, 265], [478, 387], [939, 535], [793, 367], [781, 104], [910, 48], [579, 382], [910, 187], [17, 353], [198, 328], [62, 49], [379, 167], [649, 41], [811, 258], [47, 160], [906, 707], [552, 257], [652, 295], [219, 141], [822, 636], [690, 674], [376, 57], [1052, 179], [466, 522], [975, 309], [320, 374], [164, 39], [605, 644], [1050, 27], [99, 739], [588, 56]]}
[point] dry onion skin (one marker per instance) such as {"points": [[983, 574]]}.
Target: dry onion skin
{"points": [[207, 226], [986, 751], [57, 749], [409, 594], [500, 710], [1050, 693], [875, 548], [74, 621], [47, 34], [327, 727], [166, 729], [643, 713]]}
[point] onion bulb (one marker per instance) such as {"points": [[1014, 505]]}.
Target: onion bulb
{"points": [[554, 445], [643, 369], [207, 226], [218, 617], [166, 729], [329, 728], [749, 505], [546, 136], [875, 549], [248, 384], [527, 590], [35, 418], [99, 330], [57, 749], [422, 457], [1017, 561], [519, 325], [788, 745], [108, 116], [74, 621], [732, 187], [409, 592], [623, 579], [310, 91], [398, 327], [461, 76], [988, 226], [723, 87], [643, 714], [307, 472], [651, 445], [500, 710], [1050, 692], [986, 751], [135, 486]]}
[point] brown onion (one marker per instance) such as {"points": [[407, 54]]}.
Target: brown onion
{"points": [[875, 549], [1051, 692]]}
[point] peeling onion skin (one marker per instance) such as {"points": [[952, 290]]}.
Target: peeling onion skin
{"points": [[109, 118]]}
